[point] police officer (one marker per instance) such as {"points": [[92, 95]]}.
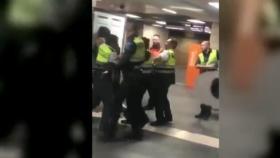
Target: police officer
{"points": [[208, 57], [149, 76], [148, 81], [165, 72], [131, 88], [103, 85], [103, 33]]}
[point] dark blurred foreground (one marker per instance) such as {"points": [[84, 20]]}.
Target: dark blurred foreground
{"points": [[250, 42], [45, 76]]}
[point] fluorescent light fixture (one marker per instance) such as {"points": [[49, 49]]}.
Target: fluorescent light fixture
{"points": [[156, 25], [214, 4], [187, 8], [169, 11], [207, 30], [197, 26], [196, 21], [161, 22], [197, 29], [188, 25], [175, 28], [132, 16]]}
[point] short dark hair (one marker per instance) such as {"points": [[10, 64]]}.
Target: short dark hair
{"points": [[103, 32], [174, 43], [114, 38]]}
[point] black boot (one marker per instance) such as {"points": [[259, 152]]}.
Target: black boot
{"points": [[208, 112], [274, 141], [202, 112], [205, 112]]}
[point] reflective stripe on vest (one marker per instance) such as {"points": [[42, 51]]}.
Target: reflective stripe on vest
{"points": [[104, 53], [213, 58], [139, 55]]}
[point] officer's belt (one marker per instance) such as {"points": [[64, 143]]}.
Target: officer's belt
{"points": [[147, 69], [137, 67], [165, 70]]}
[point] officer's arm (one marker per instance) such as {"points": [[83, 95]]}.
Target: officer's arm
{"points": [[94, 54], [161, 58], [157, 60], [147, 55], [129, 50]]}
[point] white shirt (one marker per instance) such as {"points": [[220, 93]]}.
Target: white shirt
{"points": [[164, 55]]}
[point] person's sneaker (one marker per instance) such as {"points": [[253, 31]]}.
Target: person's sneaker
{"points": [[159, 123]]}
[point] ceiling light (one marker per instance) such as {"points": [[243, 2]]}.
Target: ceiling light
{"points": [[187, 8], [214, 4], [132, 16], [197, 29], [188, 25], [197, 26], [156, 25], [174, 28], [196, 21], [169, 11], [207, 30], [161, 22]]}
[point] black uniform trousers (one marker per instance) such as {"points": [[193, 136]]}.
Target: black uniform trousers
{"points": [[149, 83], [135, 90], [103, 91], [162, 108]]}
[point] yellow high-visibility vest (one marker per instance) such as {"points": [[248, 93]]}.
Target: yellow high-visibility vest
{"points": [[213, 58], [171, 62], [104, 54], [139, 55], [168, 66]]}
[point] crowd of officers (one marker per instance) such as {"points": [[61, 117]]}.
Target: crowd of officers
{"points": [[126, 76]]}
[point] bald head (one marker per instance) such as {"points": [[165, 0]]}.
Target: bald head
{"points": [[205, 45]]}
